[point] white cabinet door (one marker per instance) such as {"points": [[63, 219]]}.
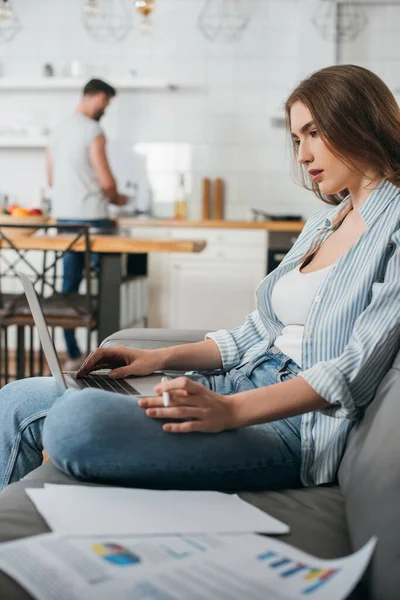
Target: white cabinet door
{"points": [[210, 290], [158, 290], [212, 295]]}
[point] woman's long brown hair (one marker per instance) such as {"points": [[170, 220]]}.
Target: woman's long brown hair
{"points": [[358, 119]]}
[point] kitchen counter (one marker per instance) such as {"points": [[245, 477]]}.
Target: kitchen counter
{"points": [[290, 226], [105, 244], [110, 249]]}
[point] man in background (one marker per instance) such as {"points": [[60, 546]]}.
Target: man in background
{"points": [[82, 184]]}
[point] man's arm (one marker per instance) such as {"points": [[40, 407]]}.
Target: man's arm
{"points": [[49, 167], [98, 158]]}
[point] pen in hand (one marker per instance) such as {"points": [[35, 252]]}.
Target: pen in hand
{"points": [[165, 395]]}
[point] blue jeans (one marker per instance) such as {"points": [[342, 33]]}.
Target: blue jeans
{"points": [[99, 436], [73, 263]]}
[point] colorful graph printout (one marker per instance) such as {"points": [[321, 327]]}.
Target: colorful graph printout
{"points": [[116, 554], [313, 578]]}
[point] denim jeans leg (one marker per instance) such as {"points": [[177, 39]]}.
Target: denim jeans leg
{"points": [[267, 369], [24, 405], [217, 381], [73, 272], [102, 437]]}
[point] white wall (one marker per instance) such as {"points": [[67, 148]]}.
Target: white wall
{"points": [[377, 47], [225, 122], [223, 126]]}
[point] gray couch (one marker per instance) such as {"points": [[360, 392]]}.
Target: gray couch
{"points": [[328, 521]]}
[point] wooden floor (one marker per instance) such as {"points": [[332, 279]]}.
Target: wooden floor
{"points": [[12, 366]]}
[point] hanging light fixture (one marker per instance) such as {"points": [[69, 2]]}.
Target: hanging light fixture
{"points": [[10, 24], [91, 8], [223, 20], [107, 20], [145, 8], [339, 21], [6, 11]]}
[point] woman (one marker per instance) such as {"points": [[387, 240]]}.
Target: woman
{"points": [[275, 398]]}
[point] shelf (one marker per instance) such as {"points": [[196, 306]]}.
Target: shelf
{"points": [[285, 226], [23, 142], [77, 83]]}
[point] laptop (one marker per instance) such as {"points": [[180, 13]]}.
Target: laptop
{"points": [[130, 386]]}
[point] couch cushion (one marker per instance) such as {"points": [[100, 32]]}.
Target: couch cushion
{"points": [[18, 516], [316, 518], [369, 477], [147, 339], [19, 519]]}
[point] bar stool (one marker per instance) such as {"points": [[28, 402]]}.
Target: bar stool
{"points": [[68, 311]]}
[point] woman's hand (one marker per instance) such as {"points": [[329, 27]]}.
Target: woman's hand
{"points": [[122, 361], [198, 407]]}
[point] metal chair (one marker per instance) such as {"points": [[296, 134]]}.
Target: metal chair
{"points": [[68, 311]]}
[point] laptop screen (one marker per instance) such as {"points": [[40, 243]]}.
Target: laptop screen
{"points": [[43, 332]]}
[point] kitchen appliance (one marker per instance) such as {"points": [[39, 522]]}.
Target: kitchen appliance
{"points": [[279, 245], [260, 215]]}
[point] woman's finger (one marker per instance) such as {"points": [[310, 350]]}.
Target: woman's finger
{"points": [[101, 358], [186, 427], [121, 372], [180, 383], [177, 398], [175, 412], [91, 361], [104, 365]]}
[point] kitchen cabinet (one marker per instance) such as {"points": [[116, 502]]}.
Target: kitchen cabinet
{"points": [[214, 289], [212, 294]]}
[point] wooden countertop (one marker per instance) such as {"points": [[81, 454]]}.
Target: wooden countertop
{"points": [[130, 222], [112, 244]]}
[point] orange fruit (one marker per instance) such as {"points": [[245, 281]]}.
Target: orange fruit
{"points": [[20, 212]]}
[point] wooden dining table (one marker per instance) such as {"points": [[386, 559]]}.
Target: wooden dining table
{"points": [[110, 248]]}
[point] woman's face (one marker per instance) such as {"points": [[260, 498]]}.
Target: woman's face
{"points": [[325, 169]]}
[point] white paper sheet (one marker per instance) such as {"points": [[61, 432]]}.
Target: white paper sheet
{"points": [[228, 567], [86, 510]]}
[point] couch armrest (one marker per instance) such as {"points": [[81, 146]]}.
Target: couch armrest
{"points": [[153, 338]]}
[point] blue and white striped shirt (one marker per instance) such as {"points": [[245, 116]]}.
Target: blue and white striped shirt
{"points": [[350, 336]]}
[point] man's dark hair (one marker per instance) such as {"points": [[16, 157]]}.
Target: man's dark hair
{"points": [[97, 86]]}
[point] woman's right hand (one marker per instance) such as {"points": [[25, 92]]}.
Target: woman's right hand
{"points": [[122, 361]]}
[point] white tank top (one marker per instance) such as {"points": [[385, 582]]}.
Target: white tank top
{"points": [[291, 299]]}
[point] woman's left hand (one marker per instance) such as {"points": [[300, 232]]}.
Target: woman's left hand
{"points": [[199, 408]]}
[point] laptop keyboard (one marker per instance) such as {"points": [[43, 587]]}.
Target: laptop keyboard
{"points": [[103, 382]]}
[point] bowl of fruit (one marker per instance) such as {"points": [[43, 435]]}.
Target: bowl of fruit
{"points": [[15, 216]]}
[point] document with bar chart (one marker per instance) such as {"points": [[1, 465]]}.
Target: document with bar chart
{"points": [[217, 567], [258, 568]]}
